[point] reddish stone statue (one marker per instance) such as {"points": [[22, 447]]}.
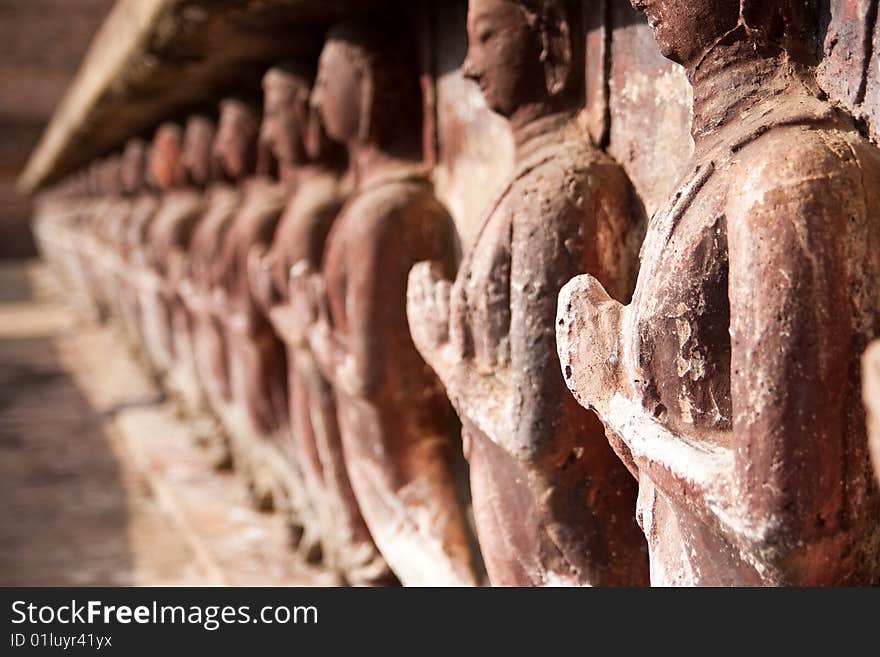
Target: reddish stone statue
{"points": [[234, 153], [167, 171], [730, 384], [394, 420], [256, 415], [136, 165], [170, 235], [553, 505], [312, 168], [128, 206]]}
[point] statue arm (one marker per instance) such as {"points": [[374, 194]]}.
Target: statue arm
{"points": [[367, 349], [593, 331], [222, 269], [791, 334], [541, 263], [259, 276], [179, 249], [354, 360], [428, 297], [482, 397], [310, 321]]}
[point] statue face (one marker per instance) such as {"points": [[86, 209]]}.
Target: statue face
{"points": [[338, 96], [197, 149], [165, 156], [504, 55], [235, 142], [684, 29], [133, 166], [280, 130]]}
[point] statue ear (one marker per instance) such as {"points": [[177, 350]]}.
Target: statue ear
{"points": [[556, 47]]}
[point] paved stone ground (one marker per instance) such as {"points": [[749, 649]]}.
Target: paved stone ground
{"points": [[100, 483]]}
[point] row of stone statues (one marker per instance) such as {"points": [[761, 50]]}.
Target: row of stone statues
{"points": [[291, 278]]}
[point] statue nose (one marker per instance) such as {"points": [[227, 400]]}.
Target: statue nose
{"points": [[468, 70]]}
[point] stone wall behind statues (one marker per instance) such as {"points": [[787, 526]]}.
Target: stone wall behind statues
{"points": [[475, 148]]}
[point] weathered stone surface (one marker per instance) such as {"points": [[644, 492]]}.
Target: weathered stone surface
{"points": [[271, 290], [393, 417], [313, 169], [649, 109], [849, 72], [729, 385], [550, 501], [475, 146]]}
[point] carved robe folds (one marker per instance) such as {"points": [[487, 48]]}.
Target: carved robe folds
{"points": [[393, 417], [551, 502], [728, 385]]}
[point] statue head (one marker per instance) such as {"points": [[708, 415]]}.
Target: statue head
{"points": [[198, 140], [686, 29], [286, 113], [235, 144], [134, 166], [166, 157], [524, 52], [367, 87]]}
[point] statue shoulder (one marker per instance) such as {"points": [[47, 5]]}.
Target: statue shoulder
{"points": [[396, 204], [572, 177], [801, 170]]}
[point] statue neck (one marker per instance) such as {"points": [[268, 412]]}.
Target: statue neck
{"points": [[372, 164], [293, 177], [535, 126], [732, 80], [288, 174]]}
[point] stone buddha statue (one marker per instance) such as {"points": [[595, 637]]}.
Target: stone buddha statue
{"points": [[552, 504], [394, 421], [170, 238], [256, 415], [136, 177], [729, 384], [313, 167], [168, 175], [234, 154]]}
